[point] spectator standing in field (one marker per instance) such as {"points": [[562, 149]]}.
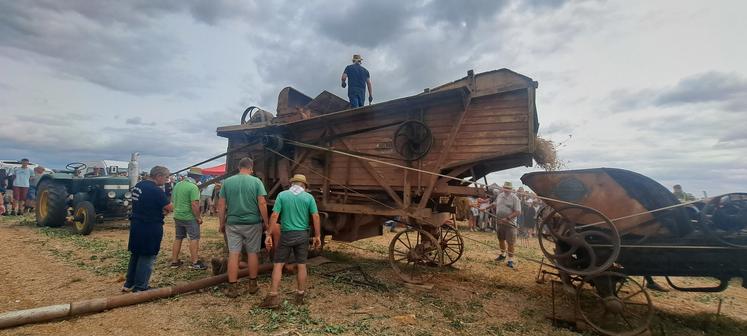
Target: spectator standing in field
{"points": [[242, 212], [2, 191], [293, 207], [483, 205], [149, 206], [21, 182], [206, 199], [507, 209], [187, 221]]}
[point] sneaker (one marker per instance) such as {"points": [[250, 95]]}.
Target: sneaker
{"points": [[299, 299], [199, 265], [231, 290], [510, 264], [270, 302], [126, 289], [500, 257], [251, 286], [176, 264]]}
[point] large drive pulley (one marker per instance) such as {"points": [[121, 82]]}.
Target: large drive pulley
{"points": [[413, 140], [579, 240]]}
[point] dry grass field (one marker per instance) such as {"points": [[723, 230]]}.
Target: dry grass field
{"points": [[45, 266]]}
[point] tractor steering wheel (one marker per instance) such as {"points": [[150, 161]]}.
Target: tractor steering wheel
{"points": [[76, 166]]}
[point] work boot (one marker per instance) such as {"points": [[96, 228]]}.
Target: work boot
{"points": [[251, 286], [231, 290], [218, 266], [299, 299], [270, 302], [500, 257]]}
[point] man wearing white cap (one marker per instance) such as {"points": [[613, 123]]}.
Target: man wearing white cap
{"points": [[293, 207], [507, 209], [359, 79]]}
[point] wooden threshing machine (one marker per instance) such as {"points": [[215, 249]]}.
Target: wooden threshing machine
{"points": [[393, 160]]}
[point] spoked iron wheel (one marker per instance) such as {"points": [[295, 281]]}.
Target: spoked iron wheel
{"points": [[579, 240], [451, 243], [413, 253], [617, 305], [725, 219]]}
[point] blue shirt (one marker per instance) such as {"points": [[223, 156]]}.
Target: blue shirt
{"points": [[357, 77], [146, 222], [23, 175]]}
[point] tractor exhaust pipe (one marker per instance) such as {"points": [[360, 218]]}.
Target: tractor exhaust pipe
{"points": [[133, 169]]}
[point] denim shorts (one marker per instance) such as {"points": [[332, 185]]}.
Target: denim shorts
{"points": [[187, 228]]}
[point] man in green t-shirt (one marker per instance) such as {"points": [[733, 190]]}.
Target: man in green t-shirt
{"points": [[293, 207], [242, 212], [187, 220]]}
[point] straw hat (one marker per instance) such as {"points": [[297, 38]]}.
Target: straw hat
{"points": [[299, 178], [357, 58], [507, 185]]}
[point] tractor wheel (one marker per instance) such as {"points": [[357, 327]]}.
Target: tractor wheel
{"points": [[51, 208], [84, 217]]}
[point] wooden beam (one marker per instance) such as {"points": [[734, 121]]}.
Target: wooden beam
{"points": [[371, 171], [444, 153], [293, 167], [360, 209]]}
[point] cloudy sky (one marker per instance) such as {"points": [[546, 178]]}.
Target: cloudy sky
{"points": [[658, 87]]}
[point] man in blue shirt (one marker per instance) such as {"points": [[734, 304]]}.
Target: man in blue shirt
{"points": [[149, 205], [359, 79]]}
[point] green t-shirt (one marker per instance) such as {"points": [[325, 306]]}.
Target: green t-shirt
{"points": [[241, 192], [184, 193], [294, 210]]}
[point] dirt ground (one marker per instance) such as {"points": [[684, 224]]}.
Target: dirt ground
{"points": [[478, 296]]}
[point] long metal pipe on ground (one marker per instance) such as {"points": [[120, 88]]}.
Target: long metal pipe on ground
{"points": [[48, 313]]}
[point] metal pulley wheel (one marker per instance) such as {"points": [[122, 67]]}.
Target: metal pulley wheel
{"points": [[615, 304], [252, 112], [413, 140], [724, 218], [579, 240]]}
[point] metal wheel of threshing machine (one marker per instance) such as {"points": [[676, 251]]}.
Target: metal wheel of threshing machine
{"points": [[415, 255], [724, 218], [452, 244], [579, 240], [617, 305]]}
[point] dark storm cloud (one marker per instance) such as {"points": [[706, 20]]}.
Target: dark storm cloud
{"points": [[726, 91], [363, 23], [115, 44]]}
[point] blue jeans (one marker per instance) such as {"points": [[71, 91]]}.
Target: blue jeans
{"points": [[139, 271], [356, 99]]}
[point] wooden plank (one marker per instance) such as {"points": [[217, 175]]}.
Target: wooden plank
{"points": [[293, 167], [373, 210], [442, 156], [463, 134], [371, 171], [498, 140]]}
